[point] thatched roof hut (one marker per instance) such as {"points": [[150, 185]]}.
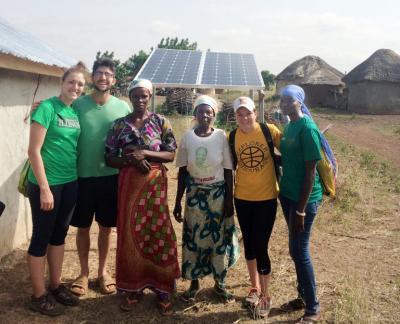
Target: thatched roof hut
{"points": [[321, 82], [374, 85]]}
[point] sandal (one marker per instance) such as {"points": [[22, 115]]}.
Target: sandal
{"points": [[129, 302], [46, 305], [64, 296], [225, 295], [80, 286], [191, 294], [106, 284], [165, 308], [309, 318]]}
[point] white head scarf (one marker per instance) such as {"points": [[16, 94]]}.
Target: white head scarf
{"points": [[206, 100], [141, 83]]}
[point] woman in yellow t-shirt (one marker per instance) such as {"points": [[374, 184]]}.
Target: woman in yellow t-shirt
{"points": [[256, 192]]}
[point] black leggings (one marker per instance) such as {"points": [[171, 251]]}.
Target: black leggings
{"points": [[256, 220], [51, 227]]}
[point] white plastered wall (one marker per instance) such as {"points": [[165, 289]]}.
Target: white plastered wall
{"points": [[16, 94]]}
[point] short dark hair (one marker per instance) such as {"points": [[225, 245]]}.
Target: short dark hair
{"points": [[103, 62]]}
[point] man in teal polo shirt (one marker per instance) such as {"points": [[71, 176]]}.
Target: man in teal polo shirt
{"points": [[98, 183]]}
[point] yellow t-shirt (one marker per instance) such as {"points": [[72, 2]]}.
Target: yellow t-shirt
{"points": [[255, 173]]}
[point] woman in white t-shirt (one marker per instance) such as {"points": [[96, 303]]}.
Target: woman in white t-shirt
{"points": [[210, 244]]}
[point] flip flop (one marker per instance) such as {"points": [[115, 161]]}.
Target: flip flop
{"points": [[190, 294], [129, 302], [80, 286], [165, 308], [224, 294], [106, 284]]}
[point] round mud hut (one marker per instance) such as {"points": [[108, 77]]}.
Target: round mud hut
{"points": [[321, 82], [374, 85]]}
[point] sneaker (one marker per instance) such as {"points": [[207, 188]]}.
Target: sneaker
{"points": [[46, 305], [263, 307], [64, 296], [252, 297]]}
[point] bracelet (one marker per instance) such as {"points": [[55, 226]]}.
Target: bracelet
{"points": [[303, 214]]}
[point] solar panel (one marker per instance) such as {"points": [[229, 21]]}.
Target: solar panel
{"points": [[171, 67], [195, 69], [229, 70]]}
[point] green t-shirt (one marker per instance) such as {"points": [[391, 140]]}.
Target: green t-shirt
{"points": [[300, 143], [95, 122], [59, 149]]}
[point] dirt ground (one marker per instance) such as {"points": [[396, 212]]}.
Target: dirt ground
{"points": [[355, 249], [374, 133]]}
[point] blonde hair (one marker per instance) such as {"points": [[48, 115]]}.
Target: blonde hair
{"points": [[79, 67]]}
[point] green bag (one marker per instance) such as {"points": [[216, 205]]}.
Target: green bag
{"points": [[23, 178]]}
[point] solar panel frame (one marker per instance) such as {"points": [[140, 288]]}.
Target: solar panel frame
{"points": [[166, 68]]}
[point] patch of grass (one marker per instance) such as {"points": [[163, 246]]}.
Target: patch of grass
{"points": [[334, 114], [353, 302], [366, 160], [397, 185], [347, 196], [396, 130]]}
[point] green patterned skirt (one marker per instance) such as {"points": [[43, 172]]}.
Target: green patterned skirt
{"points": [[210, 244]]}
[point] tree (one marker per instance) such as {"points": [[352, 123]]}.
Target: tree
{"points": [[135, 62], [269, 79], [126, 71], [175, 43]]}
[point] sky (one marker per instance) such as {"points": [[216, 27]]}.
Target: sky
{"points": [[343, 33]]}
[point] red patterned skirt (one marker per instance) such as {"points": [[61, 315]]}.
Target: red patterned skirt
{"points": [[146, 244]]}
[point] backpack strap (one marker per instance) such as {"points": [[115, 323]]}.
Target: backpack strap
{"points": [[268, 138], [232, 147]]}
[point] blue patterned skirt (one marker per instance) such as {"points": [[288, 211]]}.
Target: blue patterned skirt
{"points": [[210, 244]]}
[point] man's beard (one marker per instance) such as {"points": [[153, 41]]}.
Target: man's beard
{"points": [[100, 90]]}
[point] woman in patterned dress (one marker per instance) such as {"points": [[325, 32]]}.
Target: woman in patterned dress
{"points": [[210, 244], [138, 145]]}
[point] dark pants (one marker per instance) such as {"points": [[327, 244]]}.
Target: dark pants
{"points": [[51, 227], [299, 248], [256, 220]]}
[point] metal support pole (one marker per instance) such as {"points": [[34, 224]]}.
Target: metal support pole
{"points": [[153, 100], [261, 106], [251, 94]]}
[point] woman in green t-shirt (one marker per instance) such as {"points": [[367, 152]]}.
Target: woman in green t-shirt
{"points": [[300, 194], [52, 190]]}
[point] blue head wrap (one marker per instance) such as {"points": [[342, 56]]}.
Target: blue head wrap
{"points": [[298, 94]]}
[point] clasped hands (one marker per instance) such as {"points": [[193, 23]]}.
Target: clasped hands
{"points": [[137, 158]]}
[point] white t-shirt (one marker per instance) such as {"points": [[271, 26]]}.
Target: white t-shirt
{"points": [[205, 157]]}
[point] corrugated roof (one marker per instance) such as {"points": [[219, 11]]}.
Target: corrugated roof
{"points": [[23, 45], [312, 70], [383, 65]]}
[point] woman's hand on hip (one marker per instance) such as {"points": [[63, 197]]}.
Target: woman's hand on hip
{"points": [[46, 199]]}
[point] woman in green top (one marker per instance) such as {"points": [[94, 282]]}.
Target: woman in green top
{"points": [[53, 190], [300, 194]]}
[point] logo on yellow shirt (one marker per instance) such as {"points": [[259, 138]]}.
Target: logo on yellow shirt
{"points": [[252, 156]]}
